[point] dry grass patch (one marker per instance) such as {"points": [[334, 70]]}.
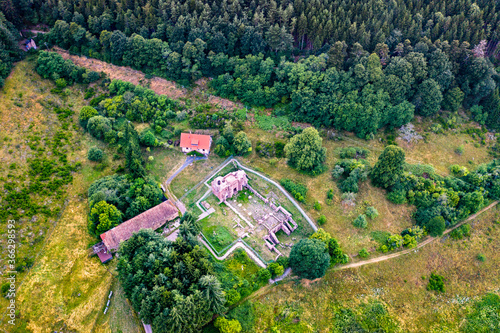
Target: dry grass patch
{"points": [[64, 290], [400, 283]]}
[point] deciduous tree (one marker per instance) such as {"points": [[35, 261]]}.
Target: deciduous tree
{"points": [[309, 258], [305, 151], [389, 167]]}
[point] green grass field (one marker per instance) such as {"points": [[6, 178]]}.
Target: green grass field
{"points": [[65, 290], [399, 283]]}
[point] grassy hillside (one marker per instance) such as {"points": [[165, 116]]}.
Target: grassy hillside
{"points": [[399, 284], [61, 288]]}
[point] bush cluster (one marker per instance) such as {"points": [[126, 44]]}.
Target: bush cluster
{"points": [[298, 190]]}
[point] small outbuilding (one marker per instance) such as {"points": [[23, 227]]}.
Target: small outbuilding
{"points": [[30, 44], [195, 142], [104, 255]]}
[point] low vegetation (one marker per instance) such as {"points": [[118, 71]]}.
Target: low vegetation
{"points": [[126, 127]]}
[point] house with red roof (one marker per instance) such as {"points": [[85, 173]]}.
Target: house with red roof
{"points": [[195, 142]]}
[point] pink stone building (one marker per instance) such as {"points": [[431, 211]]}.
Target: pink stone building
{"points": [[225, 187]]}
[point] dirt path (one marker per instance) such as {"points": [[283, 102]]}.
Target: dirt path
{"points": [[159, 85], [422, 244]]}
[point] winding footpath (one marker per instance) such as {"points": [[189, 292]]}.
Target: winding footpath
{"points": [[422, 244]]}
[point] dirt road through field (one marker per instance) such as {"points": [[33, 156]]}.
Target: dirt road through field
{"points": [[422, 244]]}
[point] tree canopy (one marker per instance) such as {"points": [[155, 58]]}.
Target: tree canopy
{"points": [[389, 167], [309, 258], [305, 151], [171, 284]]}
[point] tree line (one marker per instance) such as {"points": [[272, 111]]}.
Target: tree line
{"points": [[9, 51], [276, 26], [354, 91]]}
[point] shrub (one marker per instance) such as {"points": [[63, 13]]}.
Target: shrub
{"points": [[337, 172], [394, 242], [360, 221], [485, 315], [322, 220], [283, 261], [461, 232], [95, 154], [275, 269], [363, 253], [148, 139], [435, 226], [227, 326], [371, 212], [353, 152], [350, 184], [263, 275], [180, 116], [398, 197], [99, 126], [61, 83], [5, 288], [459, 150], [416, 232], [436, 282], [348, 198], [298, 190], [459, 171], [481, 257], [279, 149], [317, 206], [329, 194], [409, 241], [232, 297], [86, 113]]}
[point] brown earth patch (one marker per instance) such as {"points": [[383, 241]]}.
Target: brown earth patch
{"points": [[157, 84]]}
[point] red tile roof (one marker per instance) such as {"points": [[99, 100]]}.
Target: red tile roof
{"points": [[104, 255], [195, 141], [152, 219]]}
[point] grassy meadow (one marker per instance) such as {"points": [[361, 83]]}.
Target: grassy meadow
{"points": [[62, 289], [399, 284]]}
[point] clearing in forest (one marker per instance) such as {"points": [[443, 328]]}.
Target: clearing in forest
{"points": [[157, 84]]}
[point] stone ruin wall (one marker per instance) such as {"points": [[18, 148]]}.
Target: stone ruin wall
{"points": [[223, 190]]}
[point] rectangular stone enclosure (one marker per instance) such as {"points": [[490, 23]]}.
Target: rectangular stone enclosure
{"points": [[268, 215]]}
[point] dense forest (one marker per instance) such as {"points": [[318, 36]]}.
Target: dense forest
{"points": [[252, 27], [9, 52], [355, 66]]}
